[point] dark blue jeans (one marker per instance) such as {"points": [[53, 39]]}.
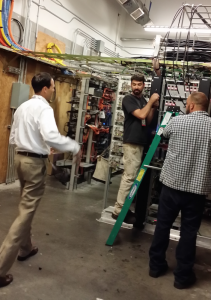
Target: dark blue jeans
{"points": [[191, 207]]}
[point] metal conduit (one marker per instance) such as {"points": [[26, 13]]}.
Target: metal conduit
{"points": [[83, 22]]}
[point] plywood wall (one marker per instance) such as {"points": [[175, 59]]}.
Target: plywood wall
{"points": [[6, 81], [43, 40], [63, 94]]}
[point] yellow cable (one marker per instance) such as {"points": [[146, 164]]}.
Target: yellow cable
{"points": [[49, 50], [2, 29]]}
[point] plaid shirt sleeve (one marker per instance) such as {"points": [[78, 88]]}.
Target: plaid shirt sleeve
{"points": [[168, 129]]}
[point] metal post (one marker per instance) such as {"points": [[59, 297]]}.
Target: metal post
{"points": [[83, 98], [179, 40], [105, 197], [160, 114], [89, 146]]}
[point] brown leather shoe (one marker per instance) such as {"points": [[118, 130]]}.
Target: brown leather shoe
{"points": [[32, 253], [4, 281]]}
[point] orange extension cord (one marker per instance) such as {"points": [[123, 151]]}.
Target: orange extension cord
{"points": [[9, 26]]}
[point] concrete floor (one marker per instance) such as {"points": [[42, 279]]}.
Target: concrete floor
{"points": [[73, 261]]}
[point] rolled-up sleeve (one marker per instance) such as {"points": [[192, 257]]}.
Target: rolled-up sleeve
{"points": [[51, 135]]}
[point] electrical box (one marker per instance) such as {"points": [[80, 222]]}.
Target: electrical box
{"points": [[20, 94], [156, 85], [204, 86], [100, 46]]}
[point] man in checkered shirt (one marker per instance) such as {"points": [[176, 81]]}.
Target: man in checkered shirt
{"points": [[186, 178]]}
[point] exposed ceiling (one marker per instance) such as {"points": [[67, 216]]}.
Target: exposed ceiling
{"points": [[161, 14]]}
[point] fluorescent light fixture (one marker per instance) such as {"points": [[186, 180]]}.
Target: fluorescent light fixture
{"points": [[173, 29], [122, 1], [137, 14]]}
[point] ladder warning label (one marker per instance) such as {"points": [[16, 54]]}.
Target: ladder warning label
{"points": [[133, 191], [140, 175], [160, 131]]}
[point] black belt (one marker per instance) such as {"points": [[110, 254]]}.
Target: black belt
{"points": [[30, 154]]}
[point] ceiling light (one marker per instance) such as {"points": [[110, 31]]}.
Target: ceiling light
{"points": [[173, 29]]}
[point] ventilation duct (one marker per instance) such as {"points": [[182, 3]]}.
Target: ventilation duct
{"points": [[137, 11]]}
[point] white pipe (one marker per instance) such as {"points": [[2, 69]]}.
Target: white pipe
{"points": [[26, 27], [84, 23], [37, 23]]}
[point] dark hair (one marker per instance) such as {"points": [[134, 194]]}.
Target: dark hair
{"points": [[201, 100], [41, 80], [138, 77]]}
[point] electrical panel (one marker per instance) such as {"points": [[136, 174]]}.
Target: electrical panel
{"points": [[20, 94], [179, 90]]}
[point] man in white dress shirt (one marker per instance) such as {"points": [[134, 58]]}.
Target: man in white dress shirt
{"points": [[34, 132]]}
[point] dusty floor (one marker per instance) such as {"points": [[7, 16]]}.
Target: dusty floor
{"points": [[73, 261]]}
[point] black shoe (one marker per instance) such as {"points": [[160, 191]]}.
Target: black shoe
{"points": [[188, 283], [156, 274], [32, 253], [139, 225], [4, 281], [130, 217]]}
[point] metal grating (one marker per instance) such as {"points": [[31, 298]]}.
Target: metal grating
{"points": [[137, 14]]}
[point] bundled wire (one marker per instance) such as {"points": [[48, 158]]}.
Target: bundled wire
{"points": [[6, 36], [5, 7], [21, 29], [49, 50]]}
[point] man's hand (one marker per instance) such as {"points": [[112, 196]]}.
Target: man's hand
{"points": [[156, 104], [154, 98], [77, 158]]}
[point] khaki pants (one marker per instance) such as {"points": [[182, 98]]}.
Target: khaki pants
{"points": [[132, 162], [32, 173]]}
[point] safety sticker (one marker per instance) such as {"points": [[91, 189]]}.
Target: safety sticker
{"points": [[140, 175], [160, 131], [166, 118], [133, 191]]}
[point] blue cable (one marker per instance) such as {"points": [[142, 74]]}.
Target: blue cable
{"points": [[5, 15]]}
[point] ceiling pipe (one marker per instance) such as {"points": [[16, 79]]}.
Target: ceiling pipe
{"points": [[135, 39], [83, 22]]}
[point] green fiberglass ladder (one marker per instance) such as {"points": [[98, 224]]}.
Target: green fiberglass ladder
{"points": [[170, 111]]}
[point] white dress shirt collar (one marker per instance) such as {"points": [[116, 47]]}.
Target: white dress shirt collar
{"points": [[41, 98]]}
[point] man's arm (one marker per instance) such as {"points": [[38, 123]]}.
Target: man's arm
{"points": [[51, 135], [168, 129], [143, 113], [152, 112]]}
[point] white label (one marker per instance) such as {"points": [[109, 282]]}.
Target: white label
{"points": [[160, 131], [102, 115], [166, 118], [133, 191]]}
